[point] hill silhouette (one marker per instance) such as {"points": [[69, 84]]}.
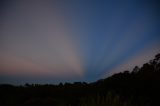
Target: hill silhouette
{"points": [[140, 87]]}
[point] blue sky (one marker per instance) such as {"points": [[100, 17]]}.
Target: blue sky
{"points": [[49, 41]]}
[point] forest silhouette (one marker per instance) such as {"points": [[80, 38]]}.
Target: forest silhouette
{"points": [[139, 87]]}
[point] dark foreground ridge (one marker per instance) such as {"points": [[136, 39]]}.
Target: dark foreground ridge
{"points": [[141, 87]]}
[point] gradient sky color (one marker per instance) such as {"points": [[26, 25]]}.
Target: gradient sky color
{"points": [[52, 41]]}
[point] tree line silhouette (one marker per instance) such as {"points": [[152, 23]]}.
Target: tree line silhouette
{"points": [[139, 87]]}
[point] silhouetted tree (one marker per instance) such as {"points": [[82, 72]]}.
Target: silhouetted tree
{"points": [[141, 87], [135, 69]]}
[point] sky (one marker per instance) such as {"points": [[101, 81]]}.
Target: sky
{"points": [[52, 41]]}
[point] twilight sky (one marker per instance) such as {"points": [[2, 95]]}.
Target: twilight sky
{"points": [[49, 41]]}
